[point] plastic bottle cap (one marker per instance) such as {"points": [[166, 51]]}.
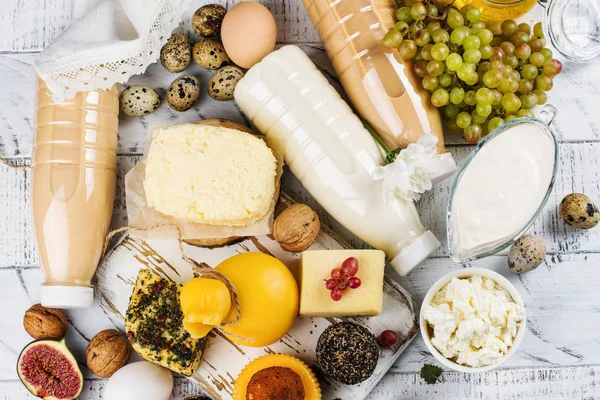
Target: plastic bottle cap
{"points": [[415, 253], [67, 296]]}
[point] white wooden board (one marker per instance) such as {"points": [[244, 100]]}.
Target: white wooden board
{"points": [[223, 360]]}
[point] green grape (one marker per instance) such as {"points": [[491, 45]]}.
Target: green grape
{"points": [[483, 67], [492, 79], [472, 80], [478, 118], [523, 51], [537, 59], [497, 65], [508, 85], [426, 52], [508, 70], [472, 56], [471, 42], [408, 49], [497, 98], [465, 72], [512, 61], [422, 37], [525, 86], [459, 35], [463, 11], [511, 102], [457, 95], [477, 26], [420, 68], [497, 54], [485, 36], [544, 82], [486, 51], [463, 120], [529, 71], [516, 76], [484, 96], [451, 110], [473, 15], [418, 11], [547, 53], [508, 27], [525, 113], [440, 98], [510, 118], [432, 11], [495, 123], [524, 27], [528, 101], [433, 26], [552, 68], [538, 30], [445, 80], [441, 36], [535, 44], [454, 19], [470, 98], [404, 14], [508, 48], [453, 61], [472, 133], [430, 83], [440, 51], [435, 68], [542, 97], [392, 39], [483, 109], [495, 27], [402, 27], [519, 37]]}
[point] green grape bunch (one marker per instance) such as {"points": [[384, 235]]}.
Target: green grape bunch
{"points": [[479, 75]]}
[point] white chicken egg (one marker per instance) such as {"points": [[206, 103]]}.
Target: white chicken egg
{"points": [[139, 380]]}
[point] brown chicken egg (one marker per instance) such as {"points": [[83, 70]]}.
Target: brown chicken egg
{"points": [[248, 33]]}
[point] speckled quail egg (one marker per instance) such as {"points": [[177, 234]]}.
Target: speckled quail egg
{"points": [[176, 55], [183, 92], [526, 254], [138, 101], [222, 84], [210, 54], [579, 211], [207, 20]]}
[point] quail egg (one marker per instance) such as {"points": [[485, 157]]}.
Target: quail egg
{"points": [[138, 101], [183, 92], [222, 84], [526, 254], [210, 54], [175, 55], [579, 211], [207, 20]]}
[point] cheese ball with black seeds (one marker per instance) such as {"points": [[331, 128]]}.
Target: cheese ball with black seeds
{"points": [[210, 54], [183, 92], [176, 55], [207, 20], [138, 101], [579, 211], [222, 84], [526, 254], [347, 353]]}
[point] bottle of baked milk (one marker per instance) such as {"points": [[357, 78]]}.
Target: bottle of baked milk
{"points": [[326, 146]]}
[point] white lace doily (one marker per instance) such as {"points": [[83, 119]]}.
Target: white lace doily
{"points": [[110, 41]]}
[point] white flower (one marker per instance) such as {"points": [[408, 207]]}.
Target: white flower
{"points": [[410, 174]]}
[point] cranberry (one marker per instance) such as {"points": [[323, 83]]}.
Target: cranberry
{"points": [[389, 338], [354, 282], [336, 273], [336, 294], [350, 266], [330, 284]]}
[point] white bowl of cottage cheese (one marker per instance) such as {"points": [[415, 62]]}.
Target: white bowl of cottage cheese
{"points": [[472, 320]]}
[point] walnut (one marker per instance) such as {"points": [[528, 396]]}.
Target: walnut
{"points": [[296, 228], [107, 352], [45, 323]]}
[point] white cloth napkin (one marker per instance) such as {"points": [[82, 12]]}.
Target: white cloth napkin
{"points": [[109, 41]]}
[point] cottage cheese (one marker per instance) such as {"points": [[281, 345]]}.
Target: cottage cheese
{"points": [[474, 321]]}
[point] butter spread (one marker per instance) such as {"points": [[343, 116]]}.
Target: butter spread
{"points": [[208, 174], [474, 321]]}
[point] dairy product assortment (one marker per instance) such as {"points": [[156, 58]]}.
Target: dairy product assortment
{"points": [[224, 179]]}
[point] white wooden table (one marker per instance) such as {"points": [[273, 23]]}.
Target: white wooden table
{"points": [[560, 357]]}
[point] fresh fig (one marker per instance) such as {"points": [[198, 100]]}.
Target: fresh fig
{"points": [[48, 370]]}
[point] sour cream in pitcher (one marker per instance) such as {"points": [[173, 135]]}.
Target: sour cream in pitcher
{"points": [[501, 189]]}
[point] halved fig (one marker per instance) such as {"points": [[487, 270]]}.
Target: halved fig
{"points": [[48, 370]]}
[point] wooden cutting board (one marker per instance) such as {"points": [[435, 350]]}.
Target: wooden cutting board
{"points": [[222, 359]]}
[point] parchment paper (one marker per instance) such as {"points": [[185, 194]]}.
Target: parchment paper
{"points": [[142, 216]]}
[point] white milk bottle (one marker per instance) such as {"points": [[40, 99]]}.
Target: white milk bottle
{"points": [[330, 152]]}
